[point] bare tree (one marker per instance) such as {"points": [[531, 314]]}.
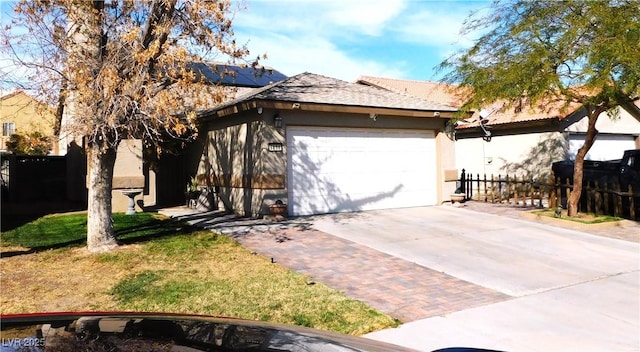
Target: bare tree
{"points": [[122, 69]]}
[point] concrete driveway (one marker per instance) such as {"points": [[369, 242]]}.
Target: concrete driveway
{"points": [[572, 290]]}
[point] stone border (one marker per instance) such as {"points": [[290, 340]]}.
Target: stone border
{"points": [[569, 224]]}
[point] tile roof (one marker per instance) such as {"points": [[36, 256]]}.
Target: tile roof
{"points": [[497, 114], [317, 89], [442, 92], [431, 91]]}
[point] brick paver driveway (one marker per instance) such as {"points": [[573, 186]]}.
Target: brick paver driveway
{"points": [[402, 289]]}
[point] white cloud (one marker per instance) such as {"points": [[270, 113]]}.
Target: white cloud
{"points": [[301, 36], [435, 26], [367, 17], [294, 55], [330, 17], [346, 39]]}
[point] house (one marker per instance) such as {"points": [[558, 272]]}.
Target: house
{"points": [[322, 145], [162, 180], [527, 143], [524, 143], [22, 114]]}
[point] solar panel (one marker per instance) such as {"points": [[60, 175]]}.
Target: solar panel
{"points": [[240, 76]]}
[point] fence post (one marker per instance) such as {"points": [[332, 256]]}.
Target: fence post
{"points": [[568, 191], [618, 202], [478, 189], [538, 188], [632, 210], [509, 186], [553, 202], [532, 191], [558, 186], [588, 197], [463, 180], [516, 191], [606, 197], [528, 191], [598, 199], [486, 195]]}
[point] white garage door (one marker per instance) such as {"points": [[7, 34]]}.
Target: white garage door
{"points": [[606, 147], [339, 170]]}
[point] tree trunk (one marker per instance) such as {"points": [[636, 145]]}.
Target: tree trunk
{"points": [[578, 168], [100, 234]]}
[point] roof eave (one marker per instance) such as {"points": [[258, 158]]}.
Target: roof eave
{"points": [[513, 128], [319, 107]]}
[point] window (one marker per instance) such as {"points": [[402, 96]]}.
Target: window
{"points": [[8, 128]]}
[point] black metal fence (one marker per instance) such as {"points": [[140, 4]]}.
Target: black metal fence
{"points": [[599, 199], [29, 178]]}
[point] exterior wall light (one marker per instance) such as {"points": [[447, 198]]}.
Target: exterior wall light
{"points": [[450, 130], [277, 121]]}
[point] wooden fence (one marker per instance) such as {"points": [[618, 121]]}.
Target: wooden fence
{"points": [[598, 199]]}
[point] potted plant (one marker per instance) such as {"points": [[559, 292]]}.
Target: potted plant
{"points": [[278, 208], [458, 197], [193, 191]]}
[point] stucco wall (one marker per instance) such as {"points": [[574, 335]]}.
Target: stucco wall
{"points": [[609, 123], [127, 173], [447, 170], [236, 159], [535, 151]]}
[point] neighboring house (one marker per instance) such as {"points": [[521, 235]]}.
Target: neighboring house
{"points": [[22, 114], [528, 142], [322, 145], [524, 143]]}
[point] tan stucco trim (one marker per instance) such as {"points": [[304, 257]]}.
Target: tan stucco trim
{"points": [[259, 181], [445, 166], [122, 182]]}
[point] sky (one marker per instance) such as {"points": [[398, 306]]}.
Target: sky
{"points": [[345, 39]]}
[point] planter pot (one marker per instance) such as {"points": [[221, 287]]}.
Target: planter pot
{"points": [[457, 198], [278, 209]]}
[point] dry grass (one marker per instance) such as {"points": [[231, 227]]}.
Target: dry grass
{"points": [[199, 273], [583, 218]]}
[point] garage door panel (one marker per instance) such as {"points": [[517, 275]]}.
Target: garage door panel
{"points": [[605, 147]]}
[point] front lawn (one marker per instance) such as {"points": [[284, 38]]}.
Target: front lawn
{"points": [[60, 230], [165, 266]]}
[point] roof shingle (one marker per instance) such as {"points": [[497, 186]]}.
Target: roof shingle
{"points": [[317, 89]]}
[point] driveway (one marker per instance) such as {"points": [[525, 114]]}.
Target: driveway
{"points": [[458, 277], [572, 290]]}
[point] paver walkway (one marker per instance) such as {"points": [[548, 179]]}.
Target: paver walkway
{"points": [[404, 290]]}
